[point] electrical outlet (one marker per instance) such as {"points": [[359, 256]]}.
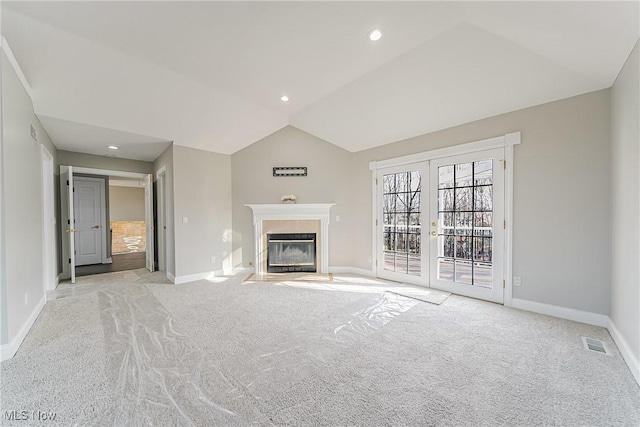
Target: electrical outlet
{"points": [[369, 259], [337, 218], [213, 260], [517, 281], [185, 220]]}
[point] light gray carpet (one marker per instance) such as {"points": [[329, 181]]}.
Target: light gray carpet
{"points": [[432, 296], [130, 349]]}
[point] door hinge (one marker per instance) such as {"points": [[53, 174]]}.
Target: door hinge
{"points": [[68, 222], [504, 164], [376, 222], [69, 260], [504, 283], [67, 182], [504, 224], [376, 181], [376, 263]]}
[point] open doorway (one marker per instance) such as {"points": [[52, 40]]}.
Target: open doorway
{"points": [[126, 233], [108, 219]]}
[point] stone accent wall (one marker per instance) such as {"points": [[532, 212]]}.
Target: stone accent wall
{"points": [[128, 236]]}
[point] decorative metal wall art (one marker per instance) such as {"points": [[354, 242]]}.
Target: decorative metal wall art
{"points": [[290, 171]]}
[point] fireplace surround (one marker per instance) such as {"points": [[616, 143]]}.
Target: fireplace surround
{"points": [[291, 218]]}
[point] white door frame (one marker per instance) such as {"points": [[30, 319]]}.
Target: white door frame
{"points": [[49, 247], [149, 225], [423, 168], [496, 292], [66, 205], [161, 227], [505, 141], [92, 171]]}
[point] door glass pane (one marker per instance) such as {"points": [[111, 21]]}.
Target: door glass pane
{"points": [[445, 177], [445, 200], [465, 223], [464, 272], [401, 222], [483, 174], [463, 175], [401, 262]]}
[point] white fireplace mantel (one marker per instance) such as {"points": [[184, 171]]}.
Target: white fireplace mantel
{"points": [[292, 212]]}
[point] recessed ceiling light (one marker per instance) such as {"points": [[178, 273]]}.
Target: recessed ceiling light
{"points": [[284, 98], [112, 147], [375, 35]]}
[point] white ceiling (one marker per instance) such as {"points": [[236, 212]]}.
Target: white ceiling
{"points": [[73, 136], [209, 75]]}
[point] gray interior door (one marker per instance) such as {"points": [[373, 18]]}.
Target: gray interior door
{"points": [[88, 209]]}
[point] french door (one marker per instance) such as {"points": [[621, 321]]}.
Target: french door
{"points": [[402, 200], [441, 224]]}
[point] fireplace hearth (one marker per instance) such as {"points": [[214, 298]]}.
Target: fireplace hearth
{"points": [[291, 252]]}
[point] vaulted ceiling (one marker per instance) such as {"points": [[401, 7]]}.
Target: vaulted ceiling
{"points": [[210, 75]]}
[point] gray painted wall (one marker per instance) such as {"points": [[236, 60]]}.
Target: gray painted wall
{"points": [[4, 330], [166, 161], [329, 180], [625, 138], [126, 203], [202, 193], [561, 243], [70, 158], [22, 205]]}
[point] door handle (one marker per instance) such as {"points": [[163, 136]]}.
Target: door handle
{"points": [[434, 233], [96, 226]]}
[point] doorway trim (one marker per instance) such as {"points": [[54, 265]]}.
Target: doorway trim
{"points": [[161, 227], [507, 141], [49, 246], [105, 172]]}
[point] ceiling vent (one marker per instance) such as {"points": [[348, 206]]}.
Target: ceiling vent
{"points": [[594, 345]]}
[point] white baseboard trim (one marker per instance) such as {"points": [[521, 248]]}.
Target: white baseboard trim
{"points": [[561, 312], [352, 270], [632, 362], [7, 351], [178, 280], [243, 270]]}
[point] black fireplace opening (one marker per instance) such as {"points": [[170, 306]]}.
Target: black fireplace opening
{"points": [[291, 252]]}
